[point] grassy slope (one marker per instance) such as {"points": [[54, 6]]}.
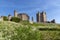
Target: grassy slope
{"points": [[42, 25], [15, 31], [27, 31], [47, 34]]}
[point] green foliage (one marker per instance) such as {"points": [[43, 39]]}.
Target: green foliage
{"points": [[50, 35], [26, 33], [39, 24], [17, 31], [5, 18], [15, 19], [24, 22]]}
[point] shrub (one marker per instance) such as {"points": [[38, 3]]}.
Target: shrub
{"points": [[5, 18], [15, 19]]}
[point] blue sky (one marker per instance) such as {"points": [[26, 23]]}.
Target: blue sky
{"points": [[31, 7]]}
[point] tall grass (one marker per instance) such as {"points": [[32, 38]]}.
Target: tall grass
{"points": [[20, 31], [15, 31]]}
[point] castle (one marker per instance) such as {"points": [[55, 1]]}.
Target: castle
{"points": [[22, 16], [40, 17]]}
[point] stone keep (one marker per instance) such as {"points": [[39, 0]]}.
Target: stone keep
{"points": [[41, 17]]}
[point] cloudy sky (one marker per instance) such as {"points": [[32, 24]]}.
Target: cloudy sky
{"points": [[31, 7]]}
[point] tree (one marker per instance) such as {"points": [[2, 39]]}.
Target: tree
{"points": [[15, 19]]}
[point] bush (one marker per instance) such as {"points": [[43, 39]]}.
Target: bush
{"points": [[15, 19], [5, 18]]}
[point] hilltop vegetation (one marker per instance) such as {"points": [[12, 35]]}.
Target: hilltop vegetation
{"points": [[26, 31]]}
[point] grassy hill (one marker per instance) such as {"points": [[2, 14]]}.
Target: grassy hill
{"points": [[27, 31]]}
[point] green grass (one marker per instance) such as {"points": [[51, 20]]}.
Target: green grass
{"points": [[50, 35], [27, 31], [15, 31]]}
